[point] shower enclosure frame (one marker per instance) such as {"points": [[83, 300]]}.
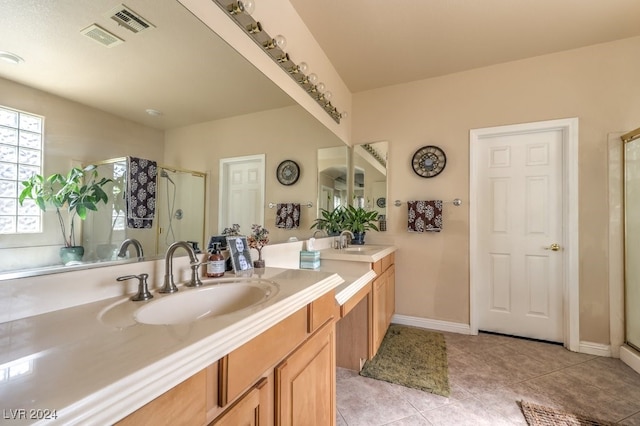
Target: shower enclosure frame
{"points": [[175, 169], [631, 329]]}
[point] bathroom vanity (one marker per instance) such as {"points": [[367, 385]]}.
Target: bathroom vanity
{"points": [[95, 362]]}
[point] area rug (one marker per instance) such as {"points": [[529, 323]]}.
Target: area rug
{"points": [[411, 357], [537, 415]]}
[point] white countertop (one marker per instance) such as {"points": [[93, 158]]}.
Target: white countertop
{"points": [[92, 372]]}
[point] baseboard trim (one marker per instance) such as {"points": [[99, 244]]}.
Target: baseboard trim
{"points": [[453, 327], [630, 357], [595, 349]]}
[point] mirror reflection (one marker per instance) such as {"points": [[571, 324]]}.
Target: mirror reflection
{"points": [[207, 103], [370, 179], [333, 183]]}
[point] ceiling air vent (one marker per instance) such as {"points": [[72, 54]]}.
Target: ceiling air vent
{"points": [[129, 19], [102, 36]]}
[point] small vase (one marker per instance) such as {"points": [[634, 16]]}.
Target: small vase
{"points": [[71, 254]]}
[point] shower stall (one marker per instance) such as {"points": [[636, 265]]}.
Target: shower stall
{"points": [[179, 212], [632, 237]]}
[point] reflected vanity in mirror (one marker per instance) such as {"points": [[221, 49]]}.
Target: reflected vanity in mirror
{"points": [[370, 179]]}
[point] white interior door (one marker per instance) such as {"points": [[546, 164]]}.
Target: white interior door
{"points": [[519, 271], [241, 192]]}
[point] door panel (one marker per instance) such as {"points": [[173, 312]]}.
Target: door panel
{"points": [[520, 283]]}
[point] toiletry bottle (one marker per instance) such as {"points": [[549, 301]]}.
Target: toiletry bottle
{"points": [[215, 265]]}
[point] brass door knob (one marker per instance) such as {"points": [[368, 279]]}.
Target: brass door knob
{"points": [[553, 247]]}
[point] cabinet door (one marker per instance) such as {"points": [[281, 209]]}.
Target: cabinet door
{"points": [[249, 410], [379, 311], [305, 382], [390, 293]]}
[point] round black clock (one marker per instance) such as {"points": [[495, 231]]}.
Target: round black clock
{"points": [[429, 161], [288, 172]]}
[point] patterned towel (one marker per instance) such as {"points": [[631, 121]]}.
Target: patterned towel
{"points": [[288, 215], [425, 216], [141, 192]]}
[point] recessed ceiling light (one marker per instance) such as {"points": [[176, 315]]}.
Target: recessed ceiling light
{"points": [[12, 58], [153, 112]]}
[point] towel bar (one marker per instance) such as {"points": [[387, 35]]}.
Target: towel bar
{"points": [[456, 202], [309, 204]]}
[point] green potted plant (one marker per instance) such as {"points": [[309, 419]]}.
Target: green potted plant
{"points": [[330, 221], [359, 220], [68, 192]]}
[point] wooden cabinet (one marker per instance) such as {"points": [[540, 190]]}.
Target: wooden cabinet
{"points": [[252, 409], [286, 372], [305, 382], [182, 405], [380, 306], [365, 317]]}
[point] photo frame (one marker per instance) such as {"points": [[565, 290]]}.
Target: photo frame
{"points": [[239, 254]]}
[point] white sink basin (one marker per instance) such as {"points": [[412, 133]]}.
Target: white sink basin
{"points": [[189, 305], [358, 249]]}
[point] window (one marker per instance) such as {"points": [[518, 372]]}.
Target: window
{"points": [[20, 157]]}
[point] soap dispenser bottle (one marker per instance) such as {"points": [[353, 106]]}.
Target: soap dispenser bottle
{"points": [[216, 264]]}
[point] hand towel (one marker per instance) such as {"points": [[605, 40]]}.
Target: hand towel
{"points": [[141, 192], [425, 216], [288, 215]]}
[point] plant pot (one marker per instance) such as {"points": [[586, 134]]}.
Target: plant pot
{"points": [[258, 264], [358, 238], [71, 254]]}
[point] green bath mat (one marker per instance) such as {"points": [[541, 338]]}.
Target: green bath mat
{"points": [[411, 357]]}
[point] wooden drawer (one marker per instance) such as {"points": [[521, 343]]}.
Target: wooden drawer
{"points": [[354, 300], [321, 310], [181, 405], [387, 261], [244, 366]]}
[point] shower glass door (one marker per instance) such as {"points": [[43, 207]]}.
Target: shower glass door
{"points": [[632, 242]]}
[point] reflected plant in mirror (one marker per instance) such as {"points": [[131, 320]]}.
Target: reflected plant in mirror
{"points": [[68, 192], [330, 221]]}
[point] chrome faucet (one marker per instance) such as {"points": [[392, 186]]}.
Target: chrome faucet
{"points": [[122, 251], [169, 285], [345, 245]]}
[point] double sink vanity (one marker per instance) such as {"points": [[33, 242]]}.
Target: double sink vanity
{"points": [[234, 351]]}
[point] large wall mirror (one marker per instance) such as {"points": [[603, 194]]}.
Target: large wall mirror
{"points": [[172, 92]]}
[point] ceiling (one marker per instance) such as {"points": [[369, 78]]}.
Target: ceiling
{"points": [[376, 43], [184, 70], [179, 66]]}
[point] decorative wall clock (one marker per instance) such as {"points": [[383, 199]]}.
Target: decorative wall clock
{"points": [[288, 172], [429, 161]]}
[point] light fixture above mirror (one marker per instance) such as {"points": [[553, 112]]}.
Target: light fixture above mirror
{"points": [[240, 11]]}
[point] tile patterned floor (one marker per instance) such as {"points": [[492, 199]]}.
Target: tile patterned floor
{"points": [[487, 375]]}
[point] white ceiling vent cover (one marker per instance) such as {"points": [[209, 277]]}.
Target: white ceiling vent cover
{"points": [[102, 36], [130, 19]]}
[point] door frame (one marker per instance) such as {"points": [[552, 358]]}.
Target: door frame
{"points": [[223, 185], [570, 225]]}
